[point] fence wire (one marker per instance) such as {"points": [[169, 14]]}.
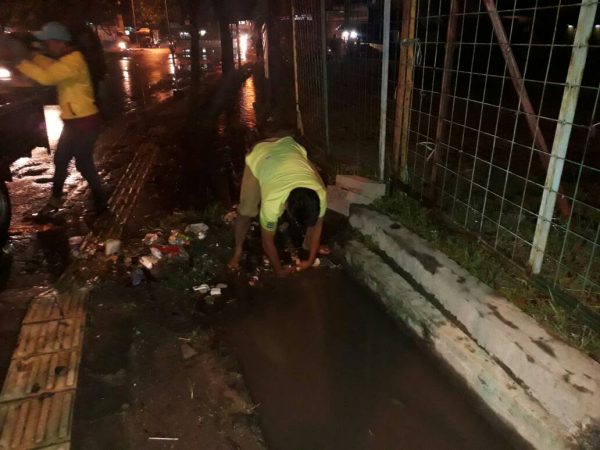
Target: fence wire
{"points": [[486, 169]]}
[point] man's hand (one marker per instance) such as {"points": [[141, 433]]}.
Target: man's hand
{"points": [[284, 271], [303, 265]]}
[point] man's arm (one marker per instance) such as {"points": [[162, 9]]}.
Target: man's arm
{"points": [[313, 236], [268, 242], [49, 75]]}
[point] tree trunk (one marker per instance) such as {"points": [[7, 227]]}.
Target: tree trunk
{"points": [[227, 63]]}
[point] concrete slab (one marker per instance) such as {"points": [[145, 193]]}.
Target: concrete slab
{"points": [[361, 185], [339, 200], [565, 381], [512, 403]]}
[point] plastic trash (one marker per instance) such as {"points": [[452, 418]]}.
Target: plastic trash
{"points": [[222, 286], [215, 292], [112, 246], [197, 228], [202, 289], [137, 276], [75, 240], [156, 252], [150, 238], [148, 261], [178, 238]]}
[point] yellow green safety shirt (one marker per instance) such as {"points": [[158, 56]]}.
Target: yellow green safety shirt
{"points": [[281, 166], [71, 76]]}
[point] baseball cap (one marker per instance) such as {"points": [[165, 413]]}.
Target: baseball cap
{"points": [[54, 31]]}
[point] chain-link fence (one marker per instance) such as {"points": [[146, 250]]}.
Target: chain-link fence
{"points": [[503, 124]]}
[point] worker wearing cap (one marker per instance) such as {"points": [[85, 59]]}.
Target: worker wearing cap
{"points": [[67, 69]]}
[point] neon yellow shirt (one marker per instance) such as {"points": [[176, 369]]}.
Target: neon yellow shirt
{"points": [[71, 76], [281, 166]]}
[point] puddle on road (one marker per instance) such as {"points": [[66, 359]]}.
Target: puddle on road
{"points": [[329, 370]]}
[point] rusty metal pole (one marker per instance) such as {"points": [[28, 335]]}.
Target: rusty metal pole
{"points": [[585, 26], [526, 105], [441, 129], [404, 92], [299, 122]]}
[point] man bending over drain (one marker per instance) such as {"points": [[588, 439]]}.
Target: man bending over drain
{"points": [[278, 177]]}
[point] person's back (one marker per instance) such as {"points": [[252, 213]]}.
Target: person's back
{"points": [[280, 166]]}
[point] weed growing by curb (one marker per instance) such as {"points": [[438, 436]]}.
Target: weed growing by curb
{"points": [[491, 269]]}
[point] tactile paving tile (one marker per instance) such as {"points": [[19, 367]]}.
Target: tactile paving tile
{"points": [[36, 422], [40, 374], [55, 306], [64, 446], [48, 337]]}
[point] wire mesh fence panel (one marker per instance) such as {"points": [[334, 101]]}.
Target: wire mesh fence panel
{"points": [[354, 55], [483, 120], [309, 67]]}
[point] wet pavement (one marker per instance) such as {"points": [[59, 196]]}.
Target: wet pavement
{"points": [[39, 253], [330, 370]]}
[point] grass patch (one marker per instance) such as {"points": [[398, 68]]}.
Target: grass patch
{"points": [[495, 271]]}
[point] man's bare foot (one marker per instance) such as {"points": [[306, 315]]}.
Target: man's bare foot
{"points": [[234, 262]]}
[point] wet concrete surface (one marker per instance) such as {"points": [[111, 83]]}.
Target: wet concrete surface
{"points": [[330, 370]]}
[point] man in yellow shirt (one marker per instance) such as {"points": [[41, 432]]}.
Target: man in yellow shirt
{"points": [[67, 70], [278, 177]]}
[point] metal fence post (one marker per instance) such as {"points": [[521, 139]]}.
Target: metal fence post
{"points": [[585, 25], [324, 72], [444, 93], [299, 122], [385, 64]]}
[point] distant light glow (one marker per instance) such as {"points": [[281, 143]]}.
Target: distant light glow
{"points": [[345, 34], [5, 74], [127, 32], [122, 45], [353, 34], [54, 124], [202, 32], [597, 26], [243, 46], [570, 27]]}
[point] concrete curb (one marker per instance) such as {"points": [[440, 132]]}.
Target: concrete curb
{"points": [[564, 381], [504, 396]]}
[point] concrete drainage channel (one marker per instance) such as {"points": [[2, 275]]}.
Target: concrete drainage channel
{"points": [[38, 395], [548, 392]]}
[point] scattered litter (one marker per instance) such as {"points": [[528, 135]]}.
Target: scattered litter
{"points": [[137, 276], [148, 261], [75, 240], [222, 286], [112, 246], [156, 252], [162, 439], [187, 351], [215, 292], [230, 216], [168, 250], [198, 229], [150, 238], [178, 238], [317, 262], [253, 281], [203, 288]]}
